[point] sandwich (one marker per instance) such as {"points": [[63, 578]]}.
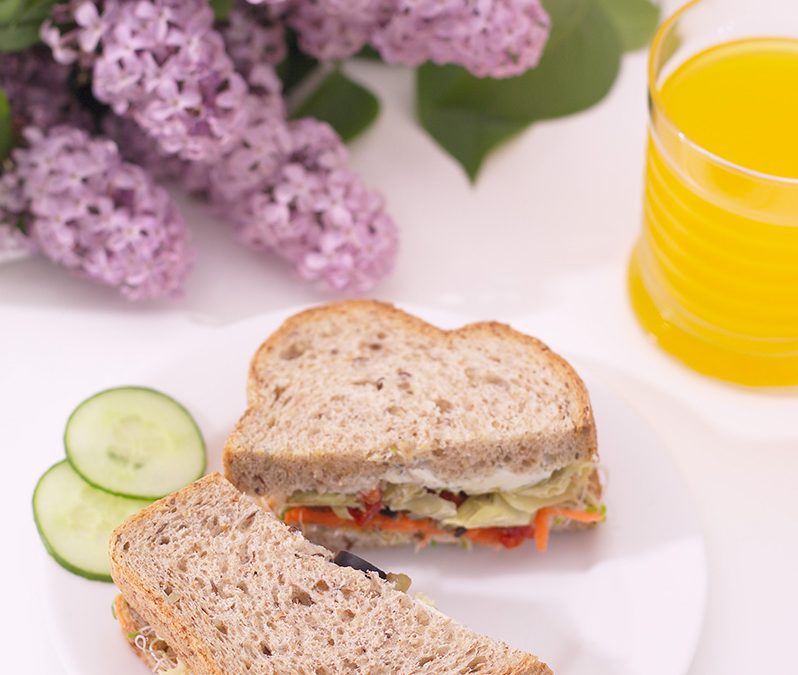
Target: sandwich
{"points": [[366, 426], [211, 583]]}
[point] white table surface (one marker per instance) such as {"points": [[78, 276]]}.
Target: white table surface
{"points": [[542, 242]]}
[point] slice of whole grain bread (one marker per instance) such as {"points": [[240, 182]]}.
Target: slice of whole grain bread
{"points": [[342, 393], [232, 590]]}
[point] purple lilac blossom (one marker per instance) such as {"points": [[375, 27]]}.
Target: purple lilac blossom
{"points": [[336, 29], [162, 63], [253, 45], [136, 146], [78, 43], [251, 164], [38, 90], [491, 38], [316, 213], [99, 216], [284, 186], [253, 36]]}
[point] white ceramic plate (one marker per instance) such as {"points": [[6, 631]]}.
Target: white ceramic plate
{"points": [[624, 599]]}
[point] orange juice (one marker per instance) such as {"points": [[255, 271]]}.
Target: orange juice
{"points": [[714, 276]]}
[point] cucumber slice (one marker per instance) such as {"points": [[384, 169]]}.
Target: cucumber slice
{"points": [[134, 442], [75, 520]]}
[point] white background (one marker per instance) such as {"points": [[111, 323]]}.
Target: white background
{"points": [[542, 241]]}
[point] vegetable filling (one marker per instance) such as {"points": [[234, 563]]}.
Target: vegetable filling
{"points": [[500, 518]]}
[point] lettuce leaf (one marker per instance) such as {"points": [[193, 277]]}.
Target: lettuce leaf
{"points": [[342, 512], [487, 511], [417, 502], [516, 508]]}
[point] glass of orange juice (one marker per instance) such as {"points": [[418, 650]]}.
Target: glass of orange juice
{"points": [[714, 274]]}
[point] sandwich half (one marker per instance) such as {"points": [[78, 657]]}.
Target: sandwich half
{"points": [[212, 584], [367, 426]]}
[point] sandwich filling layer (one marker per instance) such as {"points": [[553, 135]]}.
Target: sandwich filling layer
{"points": [[504, 516]]}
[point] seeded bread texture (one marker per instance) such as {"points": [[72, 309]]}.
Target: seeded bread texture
{"points": [[341, 393], [232, 590]]}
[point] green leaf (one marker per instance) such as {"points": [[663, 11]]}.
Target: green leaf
{"points": [[469, 116], [221, 8], [346, 106], [636, 20], [9, 10], [296, 66], [17, 37], [20, 21], [467, 133], [368, 53], [6, 127], [36, 10]]}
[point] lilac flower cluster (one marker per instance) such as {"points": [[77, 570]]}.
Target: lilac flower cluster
{"points": [[314, 212], [99, 216], [254, 44], [336, 29], [491, 38], [248, 181], [202, 105], [162, 63], [137, 147], [252, 35]]}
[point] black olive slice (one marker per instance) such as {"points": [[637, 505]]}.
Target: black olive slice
{"points": [[347, 559]]}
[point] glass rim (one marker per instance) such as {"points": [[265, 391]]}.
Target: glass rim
{"points": [[656, 103]]}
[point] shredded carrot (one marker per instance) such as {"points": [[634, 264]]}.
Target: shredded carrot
{"points": [[579, 516], [542, 527], [300, 515], [544, 517]]}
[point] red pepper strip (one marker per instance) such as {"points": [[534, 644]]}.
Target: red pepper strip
{"points": [[506, 537], [456, 499], [365, 515]]}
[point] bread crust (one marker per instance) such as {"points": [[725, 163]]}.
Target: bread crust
{"points": [[129, 625], [353, 469]]}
